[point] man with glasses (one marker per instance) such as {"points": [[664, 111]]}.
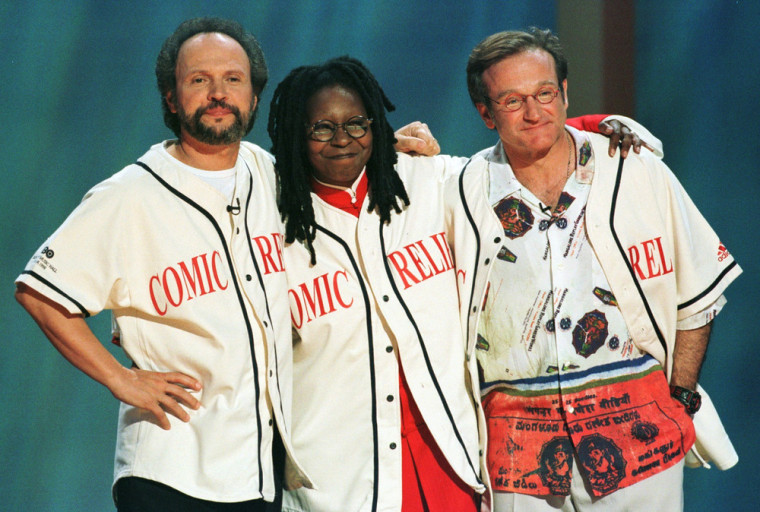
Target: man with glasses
{"points": [[587, 289]]}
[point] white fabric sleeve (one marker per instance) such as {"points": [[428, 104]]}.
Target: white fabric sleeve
{"points": [[702, 318], [644, 134]]}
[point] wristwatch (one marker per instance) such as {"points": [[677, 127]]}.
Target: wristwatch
{"points": [[692, 400]]}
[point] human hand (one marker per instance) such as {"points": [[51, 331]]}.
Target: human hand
{"points": [[621, 135], [416, 139], [158, 393]]}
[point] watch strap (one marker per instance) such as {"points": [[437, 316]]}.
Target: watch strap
{"points": [[692, 400]]}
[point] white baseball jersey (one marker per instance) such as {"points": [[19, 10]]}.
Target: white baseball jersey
{"points": [[378, 294], [197, 286], [663, 261]]}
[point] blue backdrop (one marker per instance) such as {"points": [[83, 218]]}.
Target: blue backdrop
{"points": [[80, 102]]}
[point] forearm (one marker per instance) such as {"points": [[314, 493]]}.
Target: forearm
{"points": [[688, 356], [72, 337]]}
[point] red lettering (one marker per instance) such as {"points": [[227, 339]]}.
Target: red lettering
{"points": [[195, 279], [633, 254], [153, 295], [310, 303], [297, 302], [186, 283], [399, 262], [265, 249], [417, 261], [648, 247], [436, 270], [277, 238], [336, 289], [665, 269], [440, 242], [654, 255], [214, 257], [168, 292], [330, 305]]}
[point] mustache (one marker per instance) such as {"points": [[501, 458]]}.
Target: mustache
{"points": [[217, 104]]}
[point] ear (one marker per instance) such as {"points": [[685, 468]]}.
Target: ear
{"points": [[170, 102], [254, 102], [485, 115], [564, 87]]}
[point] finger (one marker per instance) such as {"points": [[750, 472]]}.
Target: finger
{"points": [[636, 144], [407, 144], [625, 145], [183, 380], [182, 396], [605, 128], [156, 409], [614, 143], [172, 407]]}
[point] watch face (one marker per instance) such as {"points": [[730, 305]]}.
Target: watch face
{"points": [[690, 399]]}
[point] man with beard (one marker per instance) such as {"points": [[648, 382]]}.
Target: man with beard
{"points": [[184, 247]]}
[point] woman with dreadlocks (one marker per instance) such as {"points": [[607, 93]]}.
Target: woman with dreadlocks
{"points": [[384, 413], [384, 409]]}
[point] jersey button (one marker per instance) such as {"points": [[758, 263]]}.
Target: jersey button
{"points": [[393, 446], [386, 298], [389, 398], [248, 277], [389, 348]]}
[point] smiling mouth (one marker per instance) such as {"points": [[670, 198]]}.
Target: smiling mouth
{"points": [[342, 157], [218, 112]]}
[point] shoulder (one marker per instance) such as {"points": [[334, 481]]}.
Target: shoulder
{"points": [[254, 152], [260, 162], [134, 178]]}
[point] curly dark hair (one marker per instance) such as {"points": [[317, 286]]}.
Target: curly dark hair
{"points": [[287, 129], [166, 63]]}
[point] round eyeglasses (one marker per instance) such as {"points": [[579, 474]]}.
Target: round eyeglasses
{"points": [[324, 131], [544, 95]]}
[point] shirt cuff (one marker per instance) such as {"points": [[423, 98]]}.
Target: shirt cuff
{"points": [[703, 317]]}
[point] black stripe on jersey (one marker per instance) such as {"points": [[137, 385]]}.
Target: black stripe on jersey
{"points": [[261, 283], [428, 364], [624, 257], [240, 300], [371, 350], [475, 232], [54, 287], [709, 288]]}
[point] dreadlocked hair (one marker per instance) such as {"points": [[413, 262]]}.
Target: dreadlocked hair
{"points": [[287, 126]]}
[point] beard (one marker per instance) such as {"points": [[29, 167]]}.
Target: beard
{"points": [[194, 126]]}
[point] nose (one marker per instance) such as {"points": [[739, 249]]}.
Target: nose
{"points": [[341, 137], [532, 108], [217, 90]]}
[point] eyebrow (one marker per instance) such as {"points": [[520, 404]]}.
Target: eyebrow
{"points": [[507, 92]]}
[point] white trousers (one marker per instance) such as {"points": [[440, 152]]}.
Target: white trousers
{"points": [[661, 492]]}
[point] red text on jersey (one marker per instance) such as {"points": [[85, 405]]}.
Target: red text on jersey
{"points": [[422, 259], [186, 280], [322, 296]]}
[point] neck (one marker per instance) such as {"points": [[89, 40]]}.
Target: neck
{"points": [[545, 174], [204, 156]]}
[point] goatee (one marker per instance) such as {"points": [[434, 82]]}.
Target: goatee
{"points": [[196, 128]]}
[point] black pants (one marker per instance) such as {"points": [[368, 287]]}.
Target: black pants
{"points": [[133, 494]]}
